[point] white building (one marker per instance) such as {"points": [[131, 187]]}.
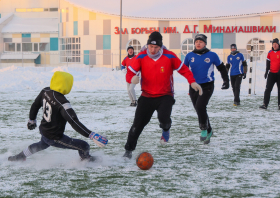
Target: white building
{"points": [[80, 32]]}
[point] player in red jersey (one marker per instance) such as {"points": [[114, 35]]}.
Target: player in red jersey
{"points": [[130, 86], [156, 64], [273, 66]]}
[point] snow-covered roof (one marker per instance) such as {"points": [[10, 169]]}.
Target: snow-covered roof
{"points": [[5, 17], [31, 25], [181, 9]]}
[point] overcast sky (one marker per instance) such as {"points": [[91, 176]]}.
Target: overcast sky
{"points": [[180, 8]]}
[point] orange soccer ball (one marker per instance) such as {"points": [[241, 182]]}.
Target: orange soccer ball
{"points": [[145, 161]]}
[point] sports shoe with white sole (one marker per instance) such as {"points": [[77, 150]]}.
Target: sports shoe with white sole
{"points": [[164, 138]]}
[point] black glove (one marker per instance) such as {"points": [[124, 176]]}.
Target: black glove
{"points": [[225, 85], [244, 75], [265, 75], [31, 124]]}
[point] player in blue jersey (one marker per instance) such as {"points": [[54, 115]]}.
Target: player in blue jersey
{"points": [[201, 61], [238, 66]]}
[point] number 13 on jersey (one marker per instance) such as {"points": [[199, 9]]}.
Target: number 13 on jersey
{"points": [[47, 110]]}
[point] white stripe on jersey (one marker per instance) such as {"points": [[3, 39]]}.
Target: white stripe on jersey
{"points": [[131, 69], [180, 67], [211, 69], [67, 106], [240, 63]]}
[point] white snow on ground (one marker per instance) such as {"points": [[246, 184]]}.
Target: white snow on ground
{"points": [[92, 79], [242, 159]]}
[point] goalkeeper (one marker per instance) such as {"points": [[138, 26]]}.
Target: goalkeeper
{"points": [[57, 111]]}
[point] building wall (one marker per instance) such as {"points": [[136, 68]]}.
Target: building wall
{"points": [[48, 57], [35, 8], [97, 33], [99, 43]]}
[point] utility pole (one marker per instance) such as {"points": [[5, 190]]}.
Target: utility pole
{"points": [[120, 63]]}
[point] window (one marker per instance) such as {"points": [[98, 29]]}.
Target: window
{"points": [[70, 49], [36, 9], [53, 9], [27, 47], [258, 46], [187, 46], [10, 47], [44, 47], [35, 47], [18, 47], [135, 44]]}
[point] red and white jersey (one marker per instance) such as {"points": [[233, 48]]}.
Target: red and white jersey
{"points": [[274, 58], [157, 75], [127, 61]]}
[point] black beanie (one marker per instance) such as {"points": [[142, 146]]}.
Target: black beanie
{"points": [[275, 41], [129, 47], [155, 38], [201, 37], [233, 46]]}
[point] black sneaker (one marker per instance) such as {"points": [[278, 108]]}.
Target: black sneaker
{"points": [[236, 103], [127, 154], [134, 104], [93, 159], [17, 158], [263, 107]]}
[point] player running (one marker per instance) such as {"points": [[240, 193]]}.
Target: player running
{"points": [[238, 66], [130, 86], [201, 61], [156, 64], [273, 66], [57, 110]]}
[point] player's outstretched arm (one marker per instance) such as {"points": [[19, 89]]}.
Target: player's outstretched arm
{"points": [[70, 116], [31, 124]]}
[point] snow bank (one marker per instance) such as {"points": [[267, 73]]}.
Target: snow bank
{"points": [[92, 79]]}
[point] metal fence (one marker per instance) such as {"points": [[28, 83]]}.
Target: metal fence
{"points": [[51, 59]]}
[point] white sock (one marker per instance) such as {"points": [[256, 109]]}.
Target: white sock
{"points": [[27, 152]]}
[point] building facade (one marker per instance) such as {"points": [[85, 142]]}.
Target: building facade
{"points": [[85, 36]]}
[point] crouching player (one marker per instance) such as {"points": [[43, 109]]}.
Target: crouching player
{"points": [[57, 111]]}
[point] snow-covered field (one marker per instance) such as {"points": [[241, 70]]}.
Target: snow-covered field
{"points": [[241, 160]]}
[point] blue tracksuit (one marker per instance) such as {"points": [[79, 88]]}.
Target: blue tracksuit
{"points": [[235, 62], [202, 65]]}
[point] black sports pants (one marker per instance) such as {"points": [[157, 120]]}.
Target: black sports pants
{"points": [[65, 143], [272, 78], [144, 111], [236, 84], [200, 104]]}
